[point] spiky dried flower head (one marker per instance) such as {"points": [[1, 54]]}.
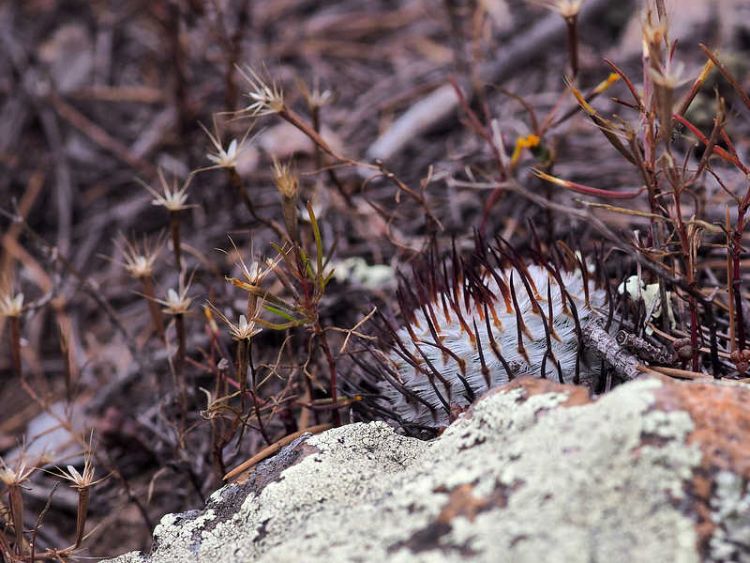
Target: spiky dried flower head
{"points": [[286, 179], [172, 197], [654, 37], [566, 8], [139, 257], [266, 97], [16, 475], [11, 305], [225, 157], [258, 269], [253, 272], [242, 330], [177, 301], [80, 480], [479, 327], [315, 96]]}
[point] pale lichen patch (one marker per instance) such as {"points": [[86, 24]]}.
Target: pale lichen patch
{"points": [[730, 509], [181, 534], [522, 477]]}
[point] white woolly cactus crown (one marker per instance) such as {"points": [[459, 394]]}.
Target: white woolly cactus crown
{"points": [[481, 329]]}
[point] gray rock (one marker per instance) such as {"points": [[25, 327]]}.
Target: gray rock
{"points": [[656, 470]]}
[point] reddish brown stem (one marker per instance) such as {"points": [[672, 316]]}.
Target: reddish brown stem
{"points": [[294, 118], [256, 403], [694, 344], [67, 362], [179, 363], [174, 228], [234, 54], [156, 317], [725, 72], [242, 372], [178, 64], [218, 432], [15, 500], [571, 24], [690, 271], [83, 508], [736, 278], [332, 369], [15, 345]]}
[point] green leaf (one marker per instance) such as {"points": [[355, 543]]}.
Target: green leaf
{"points": [[318, 240], [279, 312]]}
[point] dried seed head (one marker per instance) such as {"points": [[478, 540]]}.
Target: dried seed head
{"points": [[11, 305], [221, 157], [172, 198], [225, 158], [258, 269], [666, 81], [566, 8], [17, 475], [140, 266], [266, 96], [315, 97], [82, 480], [244, 329], [177, 301], [254, 273], [139, 258], [654, 39], [286, 180], [288, 185]]}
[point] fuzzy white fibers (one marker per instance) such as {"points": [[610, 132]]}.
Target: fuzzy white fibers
{"points": [[564, 345]]}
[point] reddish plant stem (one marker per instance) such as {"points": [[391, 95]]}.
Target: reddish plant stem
{"points": [[179, 363], [721, 67], [235, 52], [178, 64], [256, 403], [484, 132], [332, 369], [736, 277], [690, 272], [294, 119], [174, 229], [83, 507], [303, 421], [694, 344], [156, 317], [717, 150], [315, 114], [15, 345], [571, 24], [15, 500], [67, 362], [218, 433], [242, 372]]}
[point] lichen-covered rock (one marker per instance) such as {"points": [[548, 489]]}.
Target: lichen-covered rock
{"points": [[656, 470]]}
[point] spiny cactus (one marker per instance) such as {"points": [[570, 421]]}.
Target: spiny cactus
{"points": [[489, 320]]}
